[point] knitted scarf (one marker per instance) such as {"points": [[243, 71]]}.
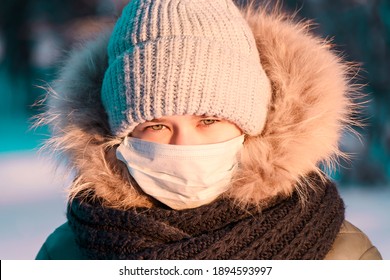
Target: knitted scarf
{"points": [[287, 229]]}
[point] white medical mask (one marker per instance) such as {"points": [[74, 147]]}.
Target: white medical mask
{"points": [[181, 176]]}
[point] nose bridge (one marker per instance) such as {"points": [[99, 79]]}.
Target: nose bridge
{"points": [[183, 136]]}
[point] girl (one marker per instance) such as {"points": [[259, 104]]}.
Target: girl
{"points": [[196, 131]]}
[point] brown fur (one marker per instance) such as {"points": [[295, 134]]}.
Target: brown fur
{"points": [[312, 102]]}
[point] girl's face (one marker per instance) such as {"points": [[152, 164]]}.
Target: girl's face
{"points": [[186, 130]]}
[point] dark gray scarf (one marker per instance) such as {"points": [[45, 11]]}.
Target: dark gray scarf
{"points": [[220, 230]]}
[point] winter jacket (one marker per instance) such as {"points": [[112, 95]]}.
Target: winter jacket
{"points": [[312, 102]]}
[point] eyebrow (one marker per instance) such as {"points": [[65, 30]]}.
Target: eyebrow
{"points": [[162, 119], [155, 120]]}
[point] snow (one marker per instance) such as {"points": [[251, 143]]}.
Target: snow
{"points": [[32, 203], [33, 200]]}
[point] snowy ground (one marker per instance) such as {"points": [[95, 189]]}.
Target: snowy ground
{"points": [[32, 204]]}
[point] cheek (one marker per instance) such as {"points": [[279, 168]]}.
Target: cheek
{"points": [[226, 132], [233, 129], [236, 130], [156, 137]]}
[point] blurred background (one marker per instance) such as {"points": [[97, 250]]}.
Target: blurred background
{"points": [[35, 37]]}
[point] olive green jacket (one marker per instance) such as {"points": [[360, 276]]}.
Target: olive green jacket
{"points": [[350, 244]]}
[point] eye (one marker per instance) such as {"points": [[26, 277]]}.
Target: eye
{"points": [[208, 122], [156, 127]]}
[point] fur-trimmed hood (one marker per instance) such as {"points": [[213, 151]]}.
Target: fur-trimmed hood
{"points": [[312, 102]]}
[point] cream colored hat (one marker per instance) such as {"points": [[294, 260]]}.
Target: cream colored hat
{"points": [[177, 57]]}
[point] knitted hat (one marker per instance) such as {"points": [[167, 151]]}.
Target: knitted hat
{"points": [[184, 57]]}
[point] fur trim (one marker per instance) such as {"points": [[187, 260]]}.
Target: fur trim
{"points": [[313, 101], [311, 104]]}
